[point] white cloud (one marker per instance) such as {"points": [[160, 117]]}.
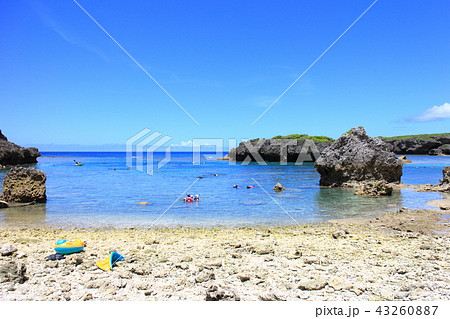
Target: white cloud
{"points": [[434, 114], [187, 143], [183, 144]]}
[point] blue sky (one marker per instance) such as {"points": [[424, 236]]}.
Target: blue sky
{"points": [[64, 81]]}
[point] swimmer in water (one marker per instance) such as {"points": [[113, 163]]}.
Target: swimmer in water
{"points": [[235, 186]]}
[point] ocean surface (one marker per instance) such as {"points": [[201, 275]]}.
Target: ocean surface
{"points": [[104, 192]]}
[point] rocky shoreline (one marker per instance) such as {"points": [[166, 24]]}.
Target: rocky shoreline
{"points": [[293, 150], [426, 144], [13, 154], [402, 255]]}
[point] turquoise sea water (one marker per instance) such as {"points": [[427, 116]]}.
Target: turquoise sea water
{"points": [[104, 192]]}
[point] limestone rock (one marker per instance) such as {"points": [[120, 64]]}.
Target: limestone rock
{"points": [[340, 284], [264, 250], [87, 297], [431, 145], [12, 154], [8, 250], [186, 259], [338, 234], [74, 259], [24, 185], [443, 204], [216, 293], [278, 188], [315, 284], [142, 270], [213, 264], [204, 276], [12, 272], [278, 150], [374, 189], [441, 150], [2, 137], [357, 157], [404, 159], [243, 277], [446, 175], [270, 296]]}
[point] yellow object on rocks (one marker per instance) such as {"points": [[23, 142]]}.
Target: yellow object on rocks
{"points": [[108, 263]]}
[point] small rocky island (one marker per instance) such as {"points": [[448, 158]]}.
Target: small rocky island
{"points": [[291, 148], [13, 154]]}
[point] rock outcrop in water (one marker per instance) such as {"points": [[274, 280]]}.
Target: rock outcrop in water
{"points": [[444, 185], [278, 150], [404, 159], [446, 176], [356, 157], [374, 189], [12, 154], [278, 187], [24, 185], [426, 144]]}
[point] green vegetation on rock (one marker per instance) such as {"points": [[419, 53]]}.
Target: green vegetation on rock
{"points": [[303, 137], [417, 137]]}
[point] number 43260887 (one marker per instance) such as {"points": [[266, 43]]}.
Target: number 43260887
{"points": [[406, 310]]}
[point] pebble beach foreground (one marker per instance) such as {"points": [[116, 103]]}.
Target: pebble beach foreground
{"points": [[403, 255]]}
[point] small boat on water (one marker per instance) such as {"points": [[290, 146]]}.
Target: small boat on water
{"points": [[78, 163]]}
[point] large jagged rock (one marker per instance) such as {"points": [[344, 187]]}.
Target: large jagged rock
{"points": [[357, 157], [24, 185], [12, 154]]}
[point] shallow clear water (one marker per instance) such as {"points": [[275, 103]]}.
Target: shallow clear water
{"points": [[103, 192]]}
